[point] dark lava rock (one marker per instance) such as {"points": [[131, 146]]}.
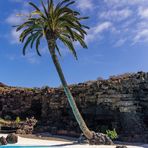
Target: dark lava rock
{"points": [[21, 132], [82, 139], [3, 141], [2, 85], [100, 139], [12, 138]]}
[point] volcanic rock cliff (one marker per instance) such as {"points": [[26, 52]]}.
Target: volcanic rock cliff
{"points": [[2, 85], [120, 102]]}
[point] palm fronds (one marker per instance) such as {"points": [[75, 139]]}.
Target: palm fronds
{"points": [[58, 22]]}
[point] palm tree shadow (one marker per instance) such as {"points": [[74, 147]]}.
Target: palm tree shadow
{"points": [[144, 146], [58, 145], [140, 145], [61, 145]]}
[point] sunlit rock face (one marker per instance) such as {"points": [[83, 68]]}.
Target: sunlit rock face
{"points": [[120, 102], [2, 85]]}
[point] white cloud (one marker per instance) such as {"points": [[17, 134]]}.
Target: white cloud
{"points": [[121, 3], [142, 35], [142, 25], [95, 32], [143, 12], [129, 19], [31, 55], [13, 19], [120, 42], [22, 2], [101, 27], [32, 58], [85, 5], [116, 14], [14, 36], [126, 19]]}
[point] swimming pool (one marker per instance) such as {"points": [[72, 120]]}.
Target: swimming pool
{"points": [[28, 147], [25, 146]]}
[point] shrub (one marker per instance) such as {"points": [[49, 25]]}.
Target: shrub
{"points": [[18, 120], [112, 134]]}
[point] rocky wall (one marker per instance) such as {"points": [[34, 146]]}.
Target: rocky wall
{"points": [[120, 102]]}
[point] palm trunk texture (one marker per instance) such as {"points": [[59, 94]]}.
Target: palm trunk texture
{"points": [[81, 122]]}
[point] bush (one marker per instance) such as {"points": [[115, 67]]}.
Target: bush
{"points": [[18, 120], [112, 134]]}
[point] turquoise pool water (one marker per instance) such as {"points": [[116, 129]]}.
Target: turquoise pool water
{"points": [[28, 147]]}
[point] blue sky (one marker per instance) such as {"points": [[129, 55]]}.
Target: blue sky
{"points": [[117, 43]]}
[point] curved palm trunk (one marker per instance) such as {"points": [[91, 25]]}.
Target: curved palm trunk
{"points": [[71, 100]]}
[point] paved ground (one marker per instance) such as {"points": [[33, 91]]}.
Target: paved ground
{"points": [[63, 144]]}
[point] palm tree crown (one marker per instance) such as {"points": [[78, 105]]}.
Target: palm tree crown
{"points": [[54, 23]]}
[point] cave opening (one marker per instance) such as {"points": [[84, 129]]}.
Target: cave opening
{"points": [[36, 109], [1, 105]]}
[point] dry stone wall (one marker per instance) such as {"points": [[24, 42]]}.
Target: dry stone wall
{"points": [[120, 102]]}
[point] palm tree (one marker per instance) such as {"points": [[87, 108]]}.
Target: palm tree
{"points": [[56, 23]]}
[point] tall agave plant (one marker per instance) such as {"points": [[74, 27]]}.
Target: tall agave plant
{"points": [[56, 23]]}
